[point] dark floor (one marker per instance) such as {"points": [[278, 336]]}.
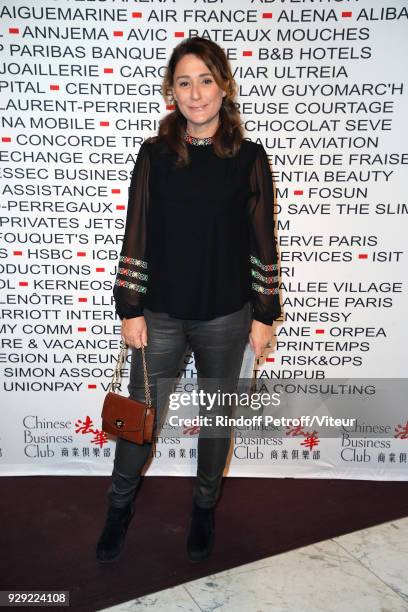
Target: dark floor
{"points": [[50, 525]]}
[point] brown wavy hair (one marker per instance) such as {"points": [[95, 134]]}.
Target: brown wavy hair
{"points": [[230, 133]]}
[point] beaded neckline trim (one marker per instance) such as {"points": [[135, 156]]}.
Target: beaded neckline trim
{"points": [[198, 141]]}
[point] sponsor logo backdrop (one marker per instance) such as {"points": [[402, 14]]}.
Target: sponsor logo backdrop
{"points": [[323, 87]]}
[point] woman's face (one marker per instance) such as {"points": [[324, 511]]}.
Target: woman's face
{"points": [[198, 96]]}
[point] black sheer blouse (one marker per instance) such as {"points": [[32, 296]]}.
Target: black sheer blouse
{"points": [[199, 241]]}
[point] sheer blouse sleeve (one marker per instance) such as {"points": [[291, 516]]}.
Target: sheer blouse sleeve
{"points": [[263, 253], [132, 275]]}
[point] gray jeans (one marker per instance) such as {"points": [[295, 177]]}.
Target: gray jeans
{"points": [[218, 346]]}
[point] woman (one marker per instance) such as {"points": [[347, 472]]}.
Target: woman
{"points": [[198, 269]]}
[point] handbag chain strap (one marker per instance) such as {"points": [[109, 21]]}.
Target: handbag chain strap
{"points": [[117, 376]]}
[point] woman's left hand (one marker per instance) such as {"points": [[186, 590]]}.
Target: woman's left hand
{"points": [[259, 337]]}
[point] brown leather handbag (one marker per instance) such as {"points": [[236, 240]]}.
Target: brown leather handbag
{"points": [[125, 417]]}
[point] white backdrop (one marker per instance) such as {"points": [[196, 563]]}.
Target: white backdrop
{"points": [[323, 87]]}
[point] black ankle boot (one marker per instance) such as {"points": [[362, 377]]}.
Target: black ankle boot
{"points": [[201, 536], [111, 541]]}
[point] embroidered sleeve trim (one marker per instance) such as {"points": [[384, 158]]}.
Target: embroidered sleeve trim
{"points": [[265, 267], [265, 279], [139, 275], [128, 285], [134, 262], [264, 289]]}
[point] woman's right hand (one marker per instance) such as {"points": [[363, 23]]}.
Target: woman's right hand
{"points": [[134, 331]]}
